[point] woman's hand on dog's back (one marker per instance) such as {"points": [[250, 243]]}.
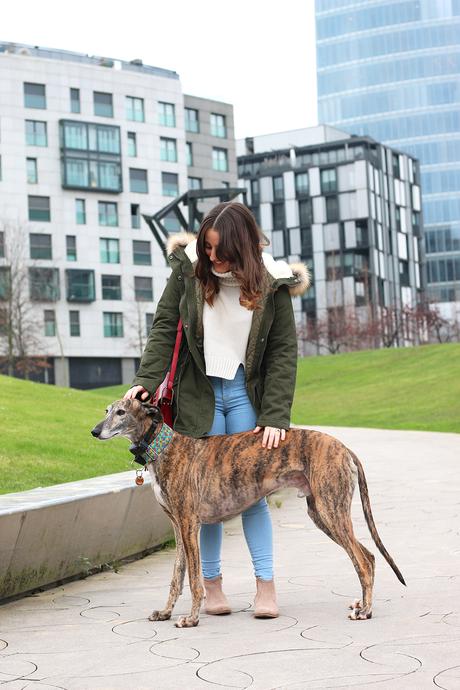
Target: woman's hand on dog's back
{"points": [[138, 392]]}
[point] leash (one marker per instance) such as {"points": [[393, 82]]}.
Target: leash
{"points": [[150, 448]]}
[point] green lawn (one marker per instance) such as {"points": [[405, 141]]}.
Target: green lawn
{"points": [[45, 431]]}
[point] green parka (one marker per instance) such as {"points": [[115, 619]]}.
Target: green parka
{"points": [[271, 355]]}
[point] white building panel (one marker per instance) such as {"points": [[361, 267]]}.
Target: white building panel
{"points": [[266, 218], [362, 204], [266, 189], [319, 266], [416, 201], [403, 215], [373, 211], [331, 237], [289, 184], [350, 233], [370, 173], [406, 296], [319, 209], [402, 246], [317, 237], [402, 167], [382, 264], [320, 294], [349, 291], [292, 213], [346, 177], [334, 293], [416, 253], [314, 181], [361, 175]]}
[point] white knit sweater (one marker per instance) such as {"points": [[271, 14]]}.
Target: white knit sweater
{"points": [[226, 327]]}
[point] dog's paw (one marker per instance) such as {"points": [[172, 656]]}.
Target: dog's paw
{"points": [[160, 616], [187, 622], [358, 613]]}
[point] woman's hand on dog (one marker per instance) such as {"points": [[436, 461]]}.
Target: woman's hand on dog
{"points": [[272, 436], [138, 392]]}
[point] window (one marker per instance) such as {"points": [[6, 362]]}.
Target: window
{"points": [[301, 184], [5, 282], [34, 95], [50, 322], [148, 323], [334, 269], [2, 245], [44, 284], [135, 216], [71, 247], [305, 213], [306, 241], [113, 324], [90, 156], [39, 208], [135, 109], [132, 144], [80, 285], [111, 287], [396, 169], [332, 209], [138, 180], [398, 218], [103, 104], [218, 126], [189, 153], [109, 250], [171, 222], [278, 188], [143, 289], [255, 192], [40, 246], [219, 160], [195, 182], [167, 114], [80, 211], [170, 184], [141, 253], [74, 323], [36, 134], [75, 101], [192, 123], [404, 274], [108, 213], [279, 221], [168, 150], [328, 180], [32, 172]]}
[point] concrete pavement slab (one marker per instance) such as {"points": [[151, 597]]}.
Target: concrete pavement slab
{"points": [[94, 634]]}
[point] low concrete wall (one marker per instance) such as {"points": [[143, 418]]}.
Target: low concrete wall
{"points": [[52, 533]]}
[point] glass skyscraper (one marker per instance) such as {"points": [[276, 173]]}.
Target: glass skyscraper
{"points": [[392, 70]]}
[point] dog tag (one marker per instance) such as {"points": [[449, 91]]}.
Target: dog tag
{"points": [[139, 478]]}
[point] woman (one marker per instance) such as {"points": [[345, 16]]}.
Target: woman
{"points": [[237, 364]]}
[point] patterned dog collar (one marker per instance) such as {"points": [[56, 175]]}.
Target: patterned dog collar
{"points": [[148, 451]]}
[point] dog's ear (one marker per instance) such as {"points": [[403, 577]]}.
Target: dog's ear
{"points": [[152, 411]]}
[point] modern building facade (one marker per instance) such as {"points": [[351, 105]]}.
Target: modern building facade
{"points": [[88, 145], [347, 206], [391, 70]]}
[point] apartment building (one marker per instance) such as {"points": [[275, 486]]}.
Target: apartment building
{"points": [[87, 146]]}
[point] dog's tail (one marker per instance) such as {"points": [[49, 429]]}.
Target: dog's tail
{"points": [[369, 518]]}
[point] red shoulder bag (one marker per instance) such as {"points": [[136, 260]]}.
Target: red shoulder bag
{"points": [[163, 397]]}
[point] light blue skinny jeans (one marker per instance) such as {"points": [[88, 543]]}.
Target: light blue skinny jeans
{"points": [[234, 413]]}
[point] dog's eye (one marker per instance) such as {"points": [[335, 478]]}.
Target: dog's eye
{"points": [[120, 412]]}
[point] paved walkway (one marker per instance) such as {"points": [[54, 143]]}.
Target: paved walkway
{"points": [[93, 634]]}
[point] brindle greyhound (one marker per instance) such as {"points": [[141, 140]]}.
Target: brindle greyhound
{"points": [[211, 479]]}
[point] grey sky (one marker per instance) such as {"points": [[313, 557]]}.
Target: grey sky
{"points": [[258, 55]]}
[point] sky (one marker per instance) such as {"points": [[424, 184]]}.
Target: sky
{"points": [[256, 54]]}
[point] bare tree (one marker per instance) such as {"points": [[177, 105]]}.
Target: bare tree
{"points": [[20, 332]]}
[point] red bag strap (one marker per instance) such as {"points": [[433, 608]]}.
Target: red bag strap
{"points": [[175, 357]]}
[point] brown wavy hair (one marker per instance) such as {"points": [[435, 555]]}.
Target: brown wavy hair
{"points": [[240, 243]]}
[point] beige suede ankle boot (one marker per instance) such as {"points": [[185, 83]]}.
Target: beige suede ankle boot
{"points": [[265, 605], [216, 601]]}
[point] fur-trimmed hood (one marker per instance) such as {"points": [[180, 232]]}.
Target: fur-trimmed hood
{"points": [[295, 275]]}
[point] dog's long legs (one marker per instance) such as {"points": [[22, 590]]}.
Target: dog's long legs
{"points": [[189, 532], [177, 581], [341, 531]]}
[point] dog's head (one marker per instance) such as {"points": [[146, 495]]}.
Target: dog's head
{"points": [[129, 418]]}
